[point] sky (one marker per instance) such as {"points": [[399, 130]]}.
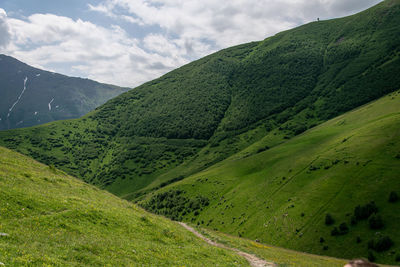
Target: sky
{"points": [[129, 42]]}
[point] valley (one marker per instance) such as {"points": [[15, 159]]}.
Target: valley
{"points": [[284, 152]]}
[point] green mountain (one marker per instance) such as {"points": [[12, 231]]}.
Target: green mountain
{"points": [[48, 218], [252, 103], [347, 167], [30, 96], [212, 108]]}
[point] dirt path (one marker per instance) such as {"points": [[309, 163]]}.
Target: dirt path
{"points": [[252, 259]]}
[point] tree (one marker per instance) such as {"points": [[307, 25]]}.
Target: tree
{"points": [[393, 197], [376, 222], [329, 219], [344, 229]]}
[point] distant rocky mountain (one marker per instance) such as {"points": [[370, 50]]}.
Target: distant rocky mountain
{"points": [[30, 96]]}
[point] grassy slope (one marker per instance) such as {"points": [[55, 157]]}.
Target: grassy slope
{"points": [[56, 220], [202, 113], [281, 196], [282, 257]]}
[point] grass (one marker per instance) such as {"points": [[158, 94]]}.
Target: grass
{"points": [[280, 256], [238, 130], [282, 195], [52, 219], [48, 218], [210, 109]]}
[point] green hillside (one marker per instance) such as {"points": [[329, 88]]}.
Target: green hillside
{"points": [[254, 140], [31, 96], [282, 196], [200, 114], [50, 219]]}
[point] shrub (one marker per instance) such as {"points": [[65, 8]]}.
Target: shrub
{"points": [[329, 219], [397, 257], [375, 222], [335, 232], [358, 240], [371, 256], [383, 243], [393, 197], [363, 212], [321, 240], [353, 220], [343, 228]]}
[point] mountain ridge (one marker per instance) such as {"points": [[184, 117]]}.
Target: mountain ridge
{"points": [[31, 96], [216, 106]]}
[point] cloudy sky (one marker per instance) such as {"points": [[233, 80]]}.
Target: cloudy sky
{"points": [[128, 42]]}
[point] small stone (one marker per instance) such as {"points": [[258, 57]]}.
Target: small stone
{"points": [[3, 234], [2, 264]]}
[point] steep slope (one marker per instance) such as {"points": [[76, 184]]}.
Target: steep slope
{"points": [[202, 113], [282, 196], [50, 219], [30, 96]]}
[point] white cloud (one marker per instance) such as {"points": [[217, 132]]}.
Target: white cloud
{"points": [[226, 23], [104, 54], [175, 32], [4, 29]]}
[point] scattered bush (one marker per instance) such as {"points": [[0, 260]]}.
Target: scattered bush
{"points": [[329, 219], [363, 212], [321, 240], [261, 149], [371, 256], [353, 220], [397, 258], [393, 197], [383, 243], [376, 222], [173, 204], [335, 232], [358, 240], [343, 228]]}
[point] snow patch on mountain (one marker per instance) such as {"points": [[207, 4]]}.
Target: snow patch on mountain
{"points": [[19, 97]]}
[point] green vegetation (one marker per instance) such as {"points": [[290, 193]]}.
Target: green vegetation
{"points": [[236, 141], [72, 97], [210, 109], [282, 257], [324, 192], [50, 219]]}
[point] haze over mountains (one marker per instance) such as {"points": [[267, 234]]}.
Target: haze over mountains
{"points": [[293, 140], [30, 96]]}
